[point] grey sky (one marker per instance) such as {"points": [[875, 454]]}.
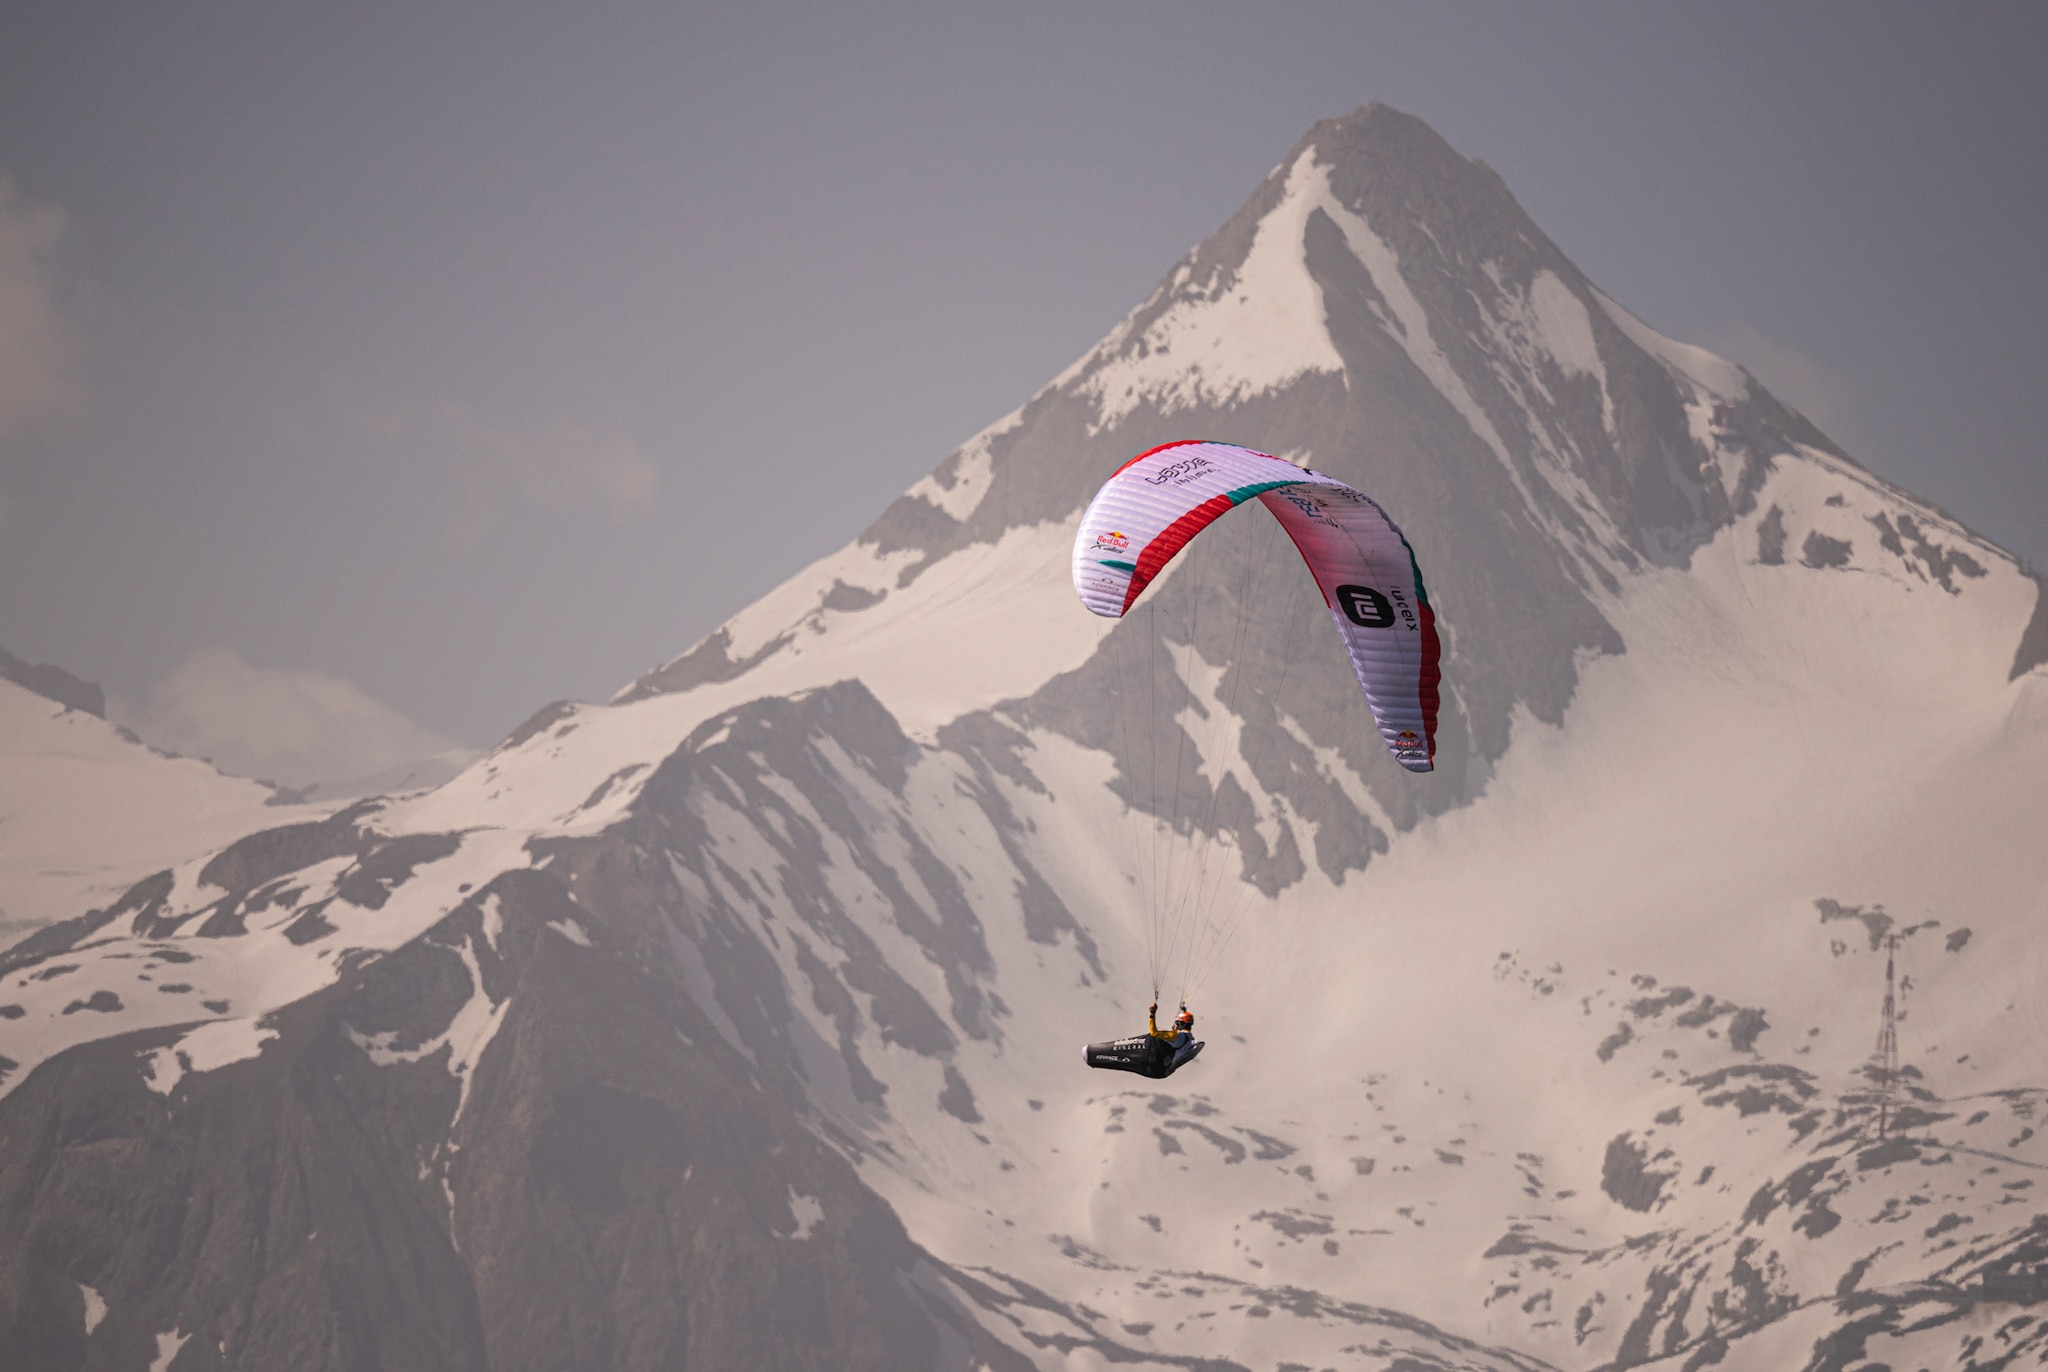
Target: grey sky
{"points": [[480, 356]]}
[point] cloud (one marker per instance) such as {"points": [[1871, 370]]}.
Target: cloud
{"points": [[1824, 396], [297, 729], [38, 345], [561, 468]]}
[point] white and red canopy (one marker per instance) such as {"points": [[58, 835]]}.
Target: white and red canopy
{"points": [[1154, 504]]}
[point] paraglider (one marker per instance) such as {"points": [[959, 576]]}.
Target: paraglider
{"points": [[1153, 507], [1156, 1053]]}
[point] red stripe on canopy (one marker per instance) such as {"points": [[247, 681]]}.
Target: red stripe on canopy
{"points": [[1171, 540], [1431, 677]]}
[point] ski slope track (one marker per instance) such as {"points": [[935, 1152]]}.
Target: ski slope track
{"points": [[736, 1022]]}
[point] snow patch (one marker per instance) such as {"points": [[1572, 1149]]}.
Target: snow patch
{"points": [[1222, 343], [1561, 325], [95, 1308], [493, 920], [469, 1032], [1206, 717], [1409, 325], [570, 930], [378, 1047], [224, 1041], [1547, 322], [167, 1346], [162, 1069], [807, 1211]]}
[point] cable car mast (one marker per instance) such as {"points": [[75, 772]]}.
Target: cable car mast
{"points": [[1884, 1061]]}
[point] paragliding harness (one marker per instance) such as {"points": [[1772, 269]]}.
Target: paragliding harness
{"points": [[1156, 1053]]}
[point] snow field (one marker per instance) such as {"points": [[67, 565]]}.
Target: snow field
{"points": [[250, 974], [85, 812]]}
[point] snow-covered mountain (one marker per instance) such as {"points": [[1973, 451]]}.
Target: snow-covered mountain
{"points": [[736, 1022], [87, 809]]}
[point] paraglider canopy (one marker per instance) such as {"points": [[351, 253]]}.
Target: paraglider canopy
{"points": [[1153, 505]]}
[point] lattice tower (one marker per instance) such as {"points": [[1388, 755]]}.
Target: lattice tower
{"points": [[1884, 1060]]}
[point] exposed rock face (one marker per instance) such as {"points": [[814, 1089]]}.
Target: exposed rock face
{"points": [[734, 1024], [610, 1189]]}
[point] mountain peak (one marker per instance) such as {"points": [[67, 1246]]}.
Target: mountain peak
{"points": [[1380, 308]]}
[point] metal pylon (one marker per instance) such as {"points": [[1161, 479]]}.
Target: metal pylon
{"points": [[1884, 1061]]}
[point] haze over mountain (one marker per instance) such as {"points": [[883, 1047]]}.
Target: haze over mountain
{"points": [[308, 732], [736, 1022]]}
